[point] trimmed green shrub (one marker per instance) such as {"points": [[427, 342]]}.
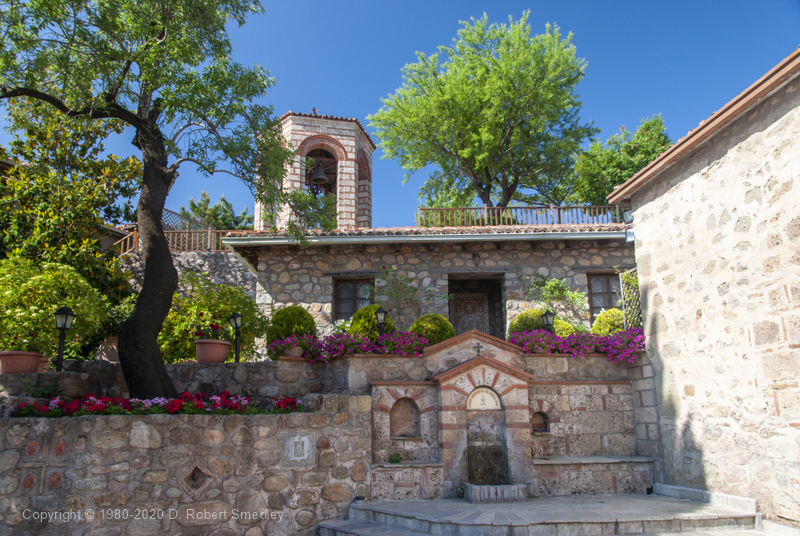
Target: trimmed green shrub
{"points": [[200, 304], [608, 322], [365, 324], [531, 319], [291, 320], [29, 295], [434, 327]]}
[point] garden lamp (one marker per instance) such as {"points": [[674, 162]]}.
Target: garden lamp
{"points": [[235, 320], [64, 319], [548, 317], [380, 316]]}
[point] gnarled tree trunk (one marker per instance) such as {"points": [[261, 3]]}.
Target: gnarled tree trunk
{"points": [[139, 354]]}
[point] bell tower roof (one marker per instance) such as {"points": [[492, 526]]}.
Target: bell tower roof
{"points": [[334, 118]]}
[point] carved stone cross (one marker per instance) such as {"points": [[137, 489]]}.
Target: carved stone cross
{"points": [[478, 347]]}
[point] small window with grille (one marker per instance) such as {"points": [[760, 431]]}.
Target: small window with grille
{"points": [[350, 295], [604, 293]]}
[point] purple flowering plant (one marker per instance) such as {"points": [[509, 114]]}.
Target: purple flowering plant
{"points": [[339, 344], [619, 346]]}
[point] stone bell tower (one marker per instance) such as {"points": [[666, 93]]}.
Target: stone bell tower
{"points": [[344, 149]]}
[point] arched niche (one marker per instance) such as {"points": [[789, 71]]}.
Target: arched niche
{"points": [[487, 451], [331, 167], [404, 419], [540, 423]]}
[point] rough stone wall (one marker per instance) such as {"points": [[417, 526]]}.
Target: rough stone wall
{"points": [[584, 477], [221, 267], [587, 418], [422, 447], [718, 249], [205, 472], [292, 276], [407, 481]]}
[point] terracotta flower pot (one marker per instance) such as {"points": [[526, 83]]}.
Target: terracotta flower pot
{"points": [[44, 364], [18, 362], [211, 351], [294, 351]]}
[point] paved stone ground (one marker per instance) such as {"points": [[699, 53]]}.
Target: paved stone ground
{"points": [[547, 516], [579, 509]]}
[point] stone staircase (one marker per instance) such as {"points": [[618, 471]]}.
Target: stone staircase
{"points": [[548, 516]]}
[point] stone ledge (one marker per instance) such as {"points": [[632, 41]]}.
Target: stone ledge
{"points": [[585, 460], [405, 465], [744, 504]]}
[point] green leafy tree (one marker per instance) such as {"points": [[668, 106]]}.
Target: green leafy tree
{"points": [[56, 201], [219, 215], [165, 70], [606, 165], [497, 108]]}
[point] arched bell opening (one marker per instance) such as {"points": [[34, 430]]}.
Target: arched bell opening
{"points": [[314, 182], [487, 450]]}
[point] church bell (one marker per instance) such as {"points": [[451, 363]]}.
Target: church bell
{"points": [[319, 177]]}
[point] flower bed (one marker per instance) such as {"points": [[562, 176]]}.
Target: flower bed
{"points": [[186, 404], [336, 345], [620, 346]]}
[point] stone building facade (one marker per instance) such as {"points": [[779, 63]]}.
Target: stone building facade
{"points": [[487, 268], [718, 253]]}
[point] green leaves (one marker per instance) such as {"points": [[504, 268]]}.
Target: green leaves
{"points": [[604, 166], [499, 109], [218, 216]]}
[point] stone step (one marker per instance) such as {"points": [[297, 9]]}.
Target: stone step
{"points": [[556, 516], [351, 527]]}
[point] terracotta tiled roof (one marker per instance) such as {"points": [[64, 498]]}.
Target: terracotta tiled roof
{"points": [[335, 118], [765, 86], [455, 231]]}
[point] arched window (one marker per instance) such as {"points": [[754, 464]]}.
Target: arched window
{"points": [[329, 164], [540, 422], [404, 419]]}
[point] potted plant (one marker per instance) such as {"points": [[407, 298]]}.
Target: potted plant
{"points": [[31, 294], [199, 302], [293, 321], [210, 345], [24, 354]]}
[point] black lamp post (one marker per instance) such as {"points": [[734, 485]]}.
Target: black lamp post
{"points": [[235, 321], [64, 319], [548, 317], [380, 316]]}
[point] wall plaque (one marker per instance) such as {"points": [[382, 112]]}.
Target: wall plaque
{"points": [[484, 398]]}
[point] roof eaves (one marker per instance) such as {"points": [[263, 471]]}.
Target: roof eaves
{"points": [[334, 118], [775, 79]]}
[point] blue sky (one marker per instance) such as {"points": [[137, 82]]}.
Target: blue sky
{"points": [[681, 58]]}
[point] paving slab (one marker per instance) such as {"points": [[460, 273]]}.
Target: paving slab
{"points": [[558, 516]]}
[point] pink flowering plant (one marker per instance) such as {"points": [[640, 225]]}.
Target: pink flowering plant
{"points": [[619, 346], [187, 404], [339, 344]]}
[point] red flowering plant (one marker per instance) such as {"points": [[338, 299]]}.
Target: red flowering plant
{"points": [[187, 404], [212, 331], [286, 404]]}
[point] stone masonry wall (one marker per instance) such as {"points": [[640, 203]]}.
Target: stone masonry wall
{"points": [[718, 252], [196, 474], [292, 276], [221, 267]]}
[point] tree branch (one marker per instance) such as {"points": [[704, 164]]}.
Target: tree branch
{"points": [[111, 111]]}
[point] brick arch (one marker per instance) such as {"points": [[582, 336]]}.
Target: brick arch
{"points": [[544, 406], [322, 141], [362, 155]]}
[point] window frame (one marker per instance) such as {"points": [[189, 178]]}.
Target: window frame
{"points": [[609, 294], [336, 309]]}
